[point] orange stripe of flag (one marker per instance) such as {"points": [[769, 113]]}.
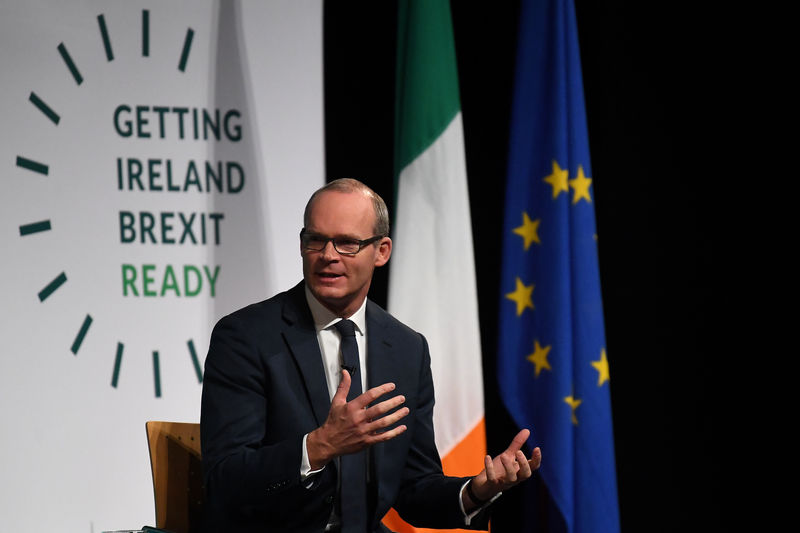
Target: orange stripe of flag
{"points": [[465, 459]]}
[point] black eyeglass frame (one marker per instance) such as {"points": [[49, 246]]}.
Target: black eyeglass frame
{"points": [[361, 243]]}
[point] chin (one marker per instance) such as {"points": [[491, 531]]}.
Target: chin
{"points": [[331, 295]]}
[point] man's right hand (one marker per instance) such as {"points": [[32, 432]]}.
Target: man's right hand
{"points": [[353, 426]]}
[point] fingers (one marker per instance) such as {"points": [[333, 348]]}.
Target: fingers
{"points": [[371, 395], [488, 466], [536, 459], [375, 415], [387, 435], [343, 389], [371, 420], [387, 420], [384, 407], [510, 466], [518, 441], [524, 466]]}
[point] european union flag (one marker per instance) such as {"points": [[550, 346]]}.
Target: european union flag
{"points": [[552, 363]]}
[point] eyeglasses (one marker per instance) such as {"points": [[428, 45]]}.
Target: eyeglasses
{"points": [[316, 243]]}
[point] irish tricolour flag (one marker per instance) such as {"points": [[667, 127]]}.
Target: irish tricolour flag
{"points": [[432, 273]]}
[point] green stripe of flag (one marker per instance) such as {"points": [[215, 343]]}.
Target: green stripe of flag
{"points": [[427, 79]]}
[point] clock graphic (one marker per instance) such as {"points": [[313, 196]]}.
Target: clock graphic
{"points": [[143, 174]]}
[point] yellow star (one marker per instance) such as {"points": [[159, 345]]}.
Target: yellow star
{"points": [[539, 357], [558, 179], [573, 403], [581, 185], [521, 295], [602, 368], [528, 230]]}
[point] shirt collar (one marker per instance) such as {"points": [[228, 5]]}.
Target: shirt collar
{"points": [[325, 318]]}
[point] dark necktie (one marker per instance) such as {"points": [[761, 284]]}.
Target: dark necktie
{"points": [[353, 493]]}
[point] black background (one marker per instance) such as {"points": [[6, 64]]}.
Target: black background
{"points": [[640, 65]]}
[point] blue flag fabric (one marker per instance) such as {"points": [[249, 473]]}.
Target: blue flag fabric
{"points": [[552, 364]]}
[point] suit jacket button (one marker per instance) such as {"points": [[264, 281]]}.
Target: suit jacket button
{"points": [[329, 499]]}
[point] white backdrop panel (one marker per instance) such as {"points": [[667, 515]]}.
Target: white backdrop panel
{"points": [[115, 246]]}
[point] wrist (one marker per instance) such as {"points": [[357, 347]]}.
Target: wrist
{"points": [[478, 501], [318, 454]]}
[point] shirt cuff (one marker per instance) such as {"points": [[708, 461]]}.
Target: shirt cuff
{"points": [[469, 516], [305, 464]]}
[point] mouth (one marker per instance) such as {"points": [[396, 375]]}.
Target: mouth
{"points": [[329, 276]]}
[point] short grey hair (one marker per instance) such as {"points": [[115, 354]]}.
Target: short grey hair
{"points": [[349, 185]]}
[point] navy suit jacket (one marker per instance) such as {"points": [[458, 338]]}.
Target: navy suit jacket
{"points": [[264, 388]]}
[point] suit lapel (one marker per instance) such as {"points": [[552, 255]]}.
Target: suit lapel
{"points": [[301, 337], [381, 368], [380, 351]]}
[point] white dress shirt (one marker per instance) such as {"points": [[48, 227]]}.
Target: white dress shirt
{"points": [[330, 343]]}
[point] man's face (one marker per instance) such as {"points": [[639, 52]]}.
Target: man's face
{"points": [[341, 282]]}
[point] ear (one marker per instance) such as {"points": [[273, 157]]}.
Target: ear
{"points": [[384, 252]]}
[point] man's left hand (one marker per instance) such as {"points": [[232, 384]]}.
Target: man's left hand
{"points": [[504, 471]]}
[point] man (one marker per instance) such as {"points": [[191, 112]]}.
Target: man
{"points": [[289, 441]]}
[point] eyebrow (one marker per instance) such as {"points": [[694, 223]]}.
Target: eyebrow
{"points": [[337, 237]]}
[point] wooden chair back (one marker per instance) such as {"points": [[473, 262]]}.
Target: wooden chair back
{"points": [[176, 465]]}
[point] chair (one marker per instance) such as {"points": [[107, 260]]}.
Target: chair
{"points": [[177, 475]]}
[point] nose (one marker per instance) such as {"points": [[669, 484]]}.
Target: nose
{"points": [[329, 253]]}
